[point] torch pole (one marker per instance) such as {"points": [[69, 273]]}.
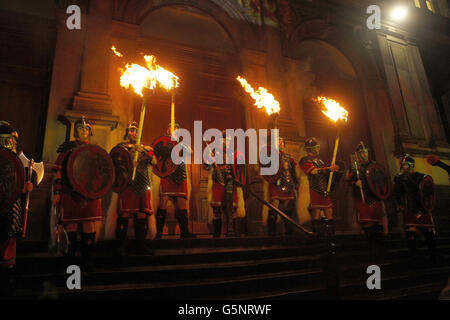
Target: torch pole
{"points": [[172, 114], [139, 135], [334, 159]]}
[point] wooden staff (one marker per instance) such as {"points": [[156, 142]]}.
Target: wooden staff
{"points": [[172, 114], [334, 159], [139, 135]]}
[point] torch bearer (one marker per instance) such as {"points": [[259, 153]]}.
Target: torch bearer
{"points": [[334, 112], [146, 78]]}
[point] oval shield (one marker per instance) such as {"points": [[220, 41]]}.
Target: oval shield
{"points": [[123, 166], [378, 181], [162, 148], [90, 171], [11, 177], [427, 195]]}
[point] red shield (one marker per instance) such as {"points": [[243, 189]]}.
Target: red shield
{"points": [[269, 151], [378, 181], [90, 171], [427, 196], [123, 166], [11, 177], [162, 148]]}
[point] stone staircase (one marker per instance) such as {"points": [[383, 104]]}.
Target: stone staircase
{"points": [[235, 268]]}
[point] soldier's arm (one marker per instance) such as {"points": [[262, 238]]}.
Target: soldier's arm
{"points": [[308, 167]]}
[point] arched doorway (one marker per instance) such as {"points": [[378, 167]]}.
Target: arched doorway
{"points": [[332, 75], [198, 49]]}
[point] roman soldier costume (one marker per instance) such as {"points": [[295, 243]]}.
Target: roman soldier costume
{"points": [[414, 194], [135, 196], [224, 194], [82, 170], [370, 188], [13, 187], [282, 189], [318, 174], [173, 185]]}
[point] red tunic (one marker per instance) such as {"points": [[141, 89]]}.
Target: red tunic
{"points": [[276, 193], [172, 189], [318, 200], [74, 208], [130, 202], [218, 195], [417, 219], [369, 211]]}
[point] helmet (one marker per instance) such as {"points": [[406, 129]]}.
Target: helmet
{"points": [[82, 124], [361, 148], [8, 135], [408, 160], [131, 126]]}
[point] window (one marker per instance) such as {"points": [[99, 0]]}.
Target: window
{"points": [[417, 3], [430, 5]]}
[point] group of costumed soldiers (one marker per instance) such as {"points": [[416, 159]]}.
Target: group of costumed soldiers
{"points": [[85, 173]]}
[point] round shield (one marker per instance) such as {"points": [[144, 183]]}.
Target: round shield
{"points": [[123, 166], [162, 148], [11, 177], [240, 167], [263, 155], [426, 189], [378, 181], [90, 171]]}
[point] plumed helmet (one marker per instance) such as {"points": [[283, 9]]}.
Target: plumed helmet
{"points": [[311, 143], [407, 159], [82, 123], [131, 126]]}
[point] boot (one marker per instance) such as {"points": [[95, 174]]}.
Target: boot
{"points": [[72, 236], [160, 221], [87, 251], [411, 242], [236, 227], [183, 224], [230, 228], [430, 241], [217, 227], [140, 232], [272, 224], [288, 229], [121, 235]]}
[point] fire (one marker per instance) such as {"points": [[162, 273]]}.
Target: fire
{"points": [[263, 99], [117, 53], [333, 110], [149, 77]]}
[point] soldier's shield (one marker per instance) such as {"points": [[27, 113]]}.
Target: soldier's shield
{"points": [[426, 190], [378, 181], [123, 165], [240, 167], [162, 148], [11, 177], [265, 152], [90, 171]]}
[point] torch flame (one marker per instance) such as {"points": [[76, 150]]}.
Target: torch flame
{"points": [[263, 99], [117, 53], [139, 77], [333, 110]]}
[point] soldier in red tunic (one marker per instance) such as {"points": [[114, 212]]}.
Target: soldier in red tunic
{"points": [[135, 200], [368, 206], [75, 209], [11, 217], [224, 192], [416, 217], [318, 175], [174, 187], [282, 190]]}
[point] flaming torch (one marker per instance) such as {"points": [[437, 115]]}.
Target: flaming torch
{"points": [[263, 100], [148, 77], [334, 112]]}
